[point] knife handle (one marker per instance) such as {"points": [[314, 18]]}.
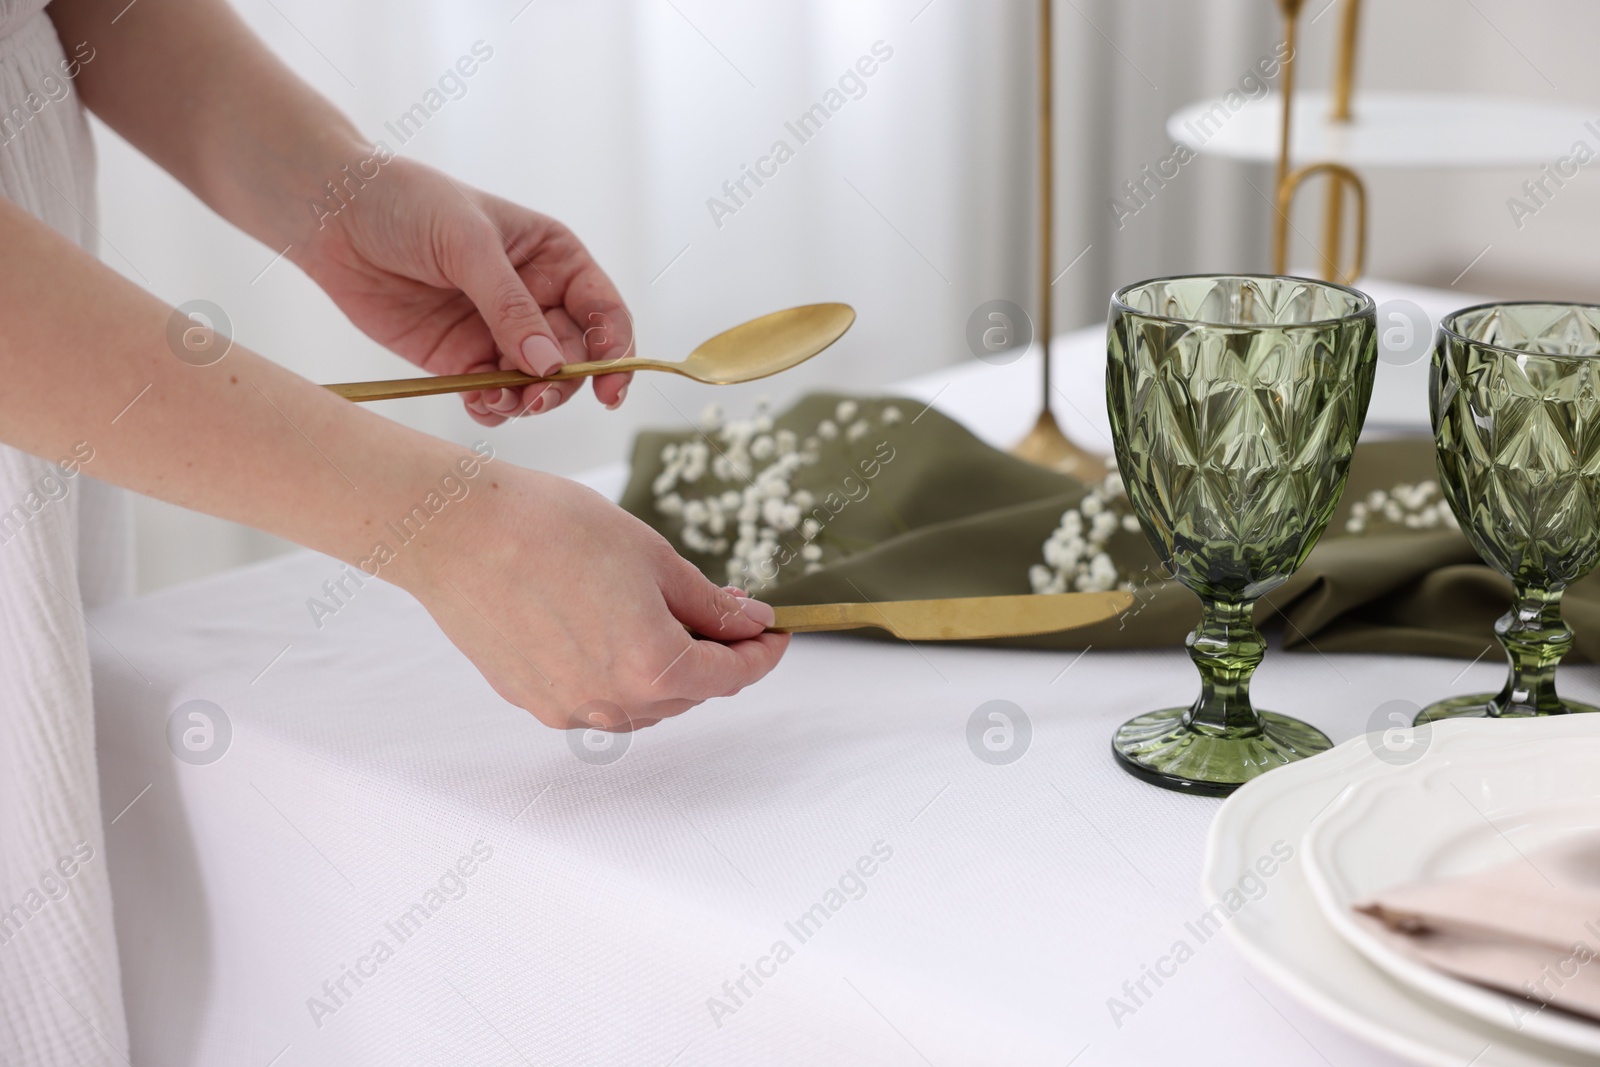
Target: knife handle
{"points": [[816, 618]]}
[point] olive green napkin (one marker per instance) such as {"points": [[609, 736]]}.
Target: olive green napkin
{"points": [[852, 499]]}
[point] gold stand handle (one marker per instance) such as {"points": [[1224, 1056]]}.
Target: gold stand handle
{"points": [[1339, 176]]}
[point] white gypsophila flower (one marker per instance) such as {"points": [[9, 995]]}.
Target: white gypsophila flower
{"points": [[891, 415], [733, 489], [1040, 577], [1404, 506], [1075, 555], [1101, 575]]}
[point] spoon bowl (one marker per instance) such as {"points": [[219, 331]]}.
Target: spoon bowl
{"points": [[756, 349]]}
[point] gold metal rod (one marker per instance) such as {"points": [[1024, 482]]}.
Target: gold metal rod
{"points": [[1332, 228], [1343, 87], [1046, 185], [1344, 78], [1344, 70], [1280, 229]]}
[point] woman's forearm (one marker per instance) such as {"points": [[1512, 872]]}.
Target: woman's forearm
{"points": [[189, 85], [87, 368]]}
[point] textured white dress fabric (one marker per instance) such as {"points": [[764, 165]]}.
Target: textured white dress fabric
{"points": [[60, 984]]}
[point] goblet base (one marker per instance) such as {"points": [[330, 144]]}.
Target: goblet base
{"points": [[1481, 706], [1160, 749]]}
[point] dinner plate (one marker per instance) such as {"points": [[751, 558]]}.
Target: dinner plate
{"points": [[1452, 814], [1275, 921]]}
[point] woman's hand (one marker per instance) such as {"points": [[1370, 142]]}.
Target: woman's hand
{"points": [[458, 281], [449, 277], [577, 611]]}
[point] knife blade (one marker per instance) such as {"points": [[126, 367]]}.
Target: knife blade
{"points": [[957, 618]]}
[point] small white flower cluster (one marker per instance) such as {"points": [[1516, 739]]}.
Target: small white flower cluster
{"points": [[750, 501], [1414, 507], [1075, 556]]}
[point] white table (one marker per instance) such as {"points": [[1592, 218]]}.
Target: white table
{"points": [[367, 759]]}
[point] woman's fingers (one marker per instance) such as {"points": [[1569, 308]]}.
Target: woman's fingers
{"points": [[539, 341], [476, 401], [718, 613], [607, 331], [735, 650], [478, 264], [612, 389], [538, 399], [583, 318], [712, 669]]}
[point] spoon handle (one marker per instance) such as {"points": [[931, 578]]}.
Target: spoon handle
{"points": [[395, 388]]}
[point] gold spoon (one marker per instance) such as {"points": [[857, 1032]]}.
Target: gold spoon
{"points": [[751, 350]]}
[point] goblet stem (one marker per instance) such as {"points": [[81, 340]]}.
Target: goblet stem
{"points": [[1227, 648], [1535, 639]]}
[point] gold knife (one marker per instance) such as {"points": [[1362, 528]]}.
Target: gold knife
{"points": [[959, 618]]}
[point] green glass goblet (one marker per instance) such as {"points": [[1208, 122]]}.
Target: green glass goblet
{"points": [[1515, 394], [1235, 405]]}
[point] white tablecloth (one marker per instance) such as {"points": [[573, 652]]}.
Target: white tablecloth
{"points": [[391, 865]]}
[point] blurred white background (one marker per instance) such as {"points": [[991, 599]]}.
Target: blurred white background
{"points": [[913, 203]]}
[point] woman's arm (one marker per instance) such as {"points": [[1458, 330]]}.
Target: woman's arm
{"points": [[188, 84], [567, 604], [451, 278]]}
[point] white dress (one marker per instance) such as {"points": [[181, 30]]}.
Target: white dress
{"points": [[60, 986]]}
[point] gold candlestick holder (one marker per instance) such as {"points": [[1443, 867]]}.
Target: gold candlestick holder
{"points": [[1046, 444]]}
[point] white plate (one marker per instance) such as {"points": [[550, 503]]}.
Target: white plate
{"points": [[1283, 933], [1448, 814]]}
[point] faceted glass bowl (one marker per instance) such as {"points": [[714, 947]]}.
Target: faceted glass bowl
{"points": [[1515, 395], [1235, 405]]}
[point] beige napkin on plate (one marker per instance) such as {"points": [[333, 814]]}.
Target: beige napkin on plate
{"points": [[1530, 927]]}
